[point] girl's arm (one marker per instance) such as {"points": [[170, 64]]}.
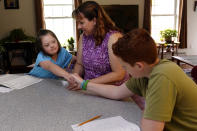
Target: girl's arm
{"points": [[118, 72], [79, 65], [55, 69]]}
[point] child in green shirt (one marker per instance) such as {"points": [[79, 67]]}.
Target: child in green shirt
{"points": [[169, 93]]}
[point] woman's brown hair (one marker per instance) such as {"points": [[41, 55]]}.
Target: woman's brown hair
{"points": [[104, 24]]}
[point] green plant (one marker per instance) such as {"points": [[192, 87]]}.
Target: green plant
{"points": [[71, 44], [15, 35], [168, 34]]}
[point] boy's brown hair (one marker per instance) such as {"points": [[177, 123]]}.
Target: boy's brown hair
{"points": [[136, 46]]}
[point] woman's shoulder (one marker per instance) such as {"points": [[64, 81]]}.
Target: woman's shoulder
{"points": [[114, 36], [114, 32]]}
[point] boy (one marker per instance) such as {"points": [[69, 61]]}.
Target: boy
{"points": [[169, 93]]}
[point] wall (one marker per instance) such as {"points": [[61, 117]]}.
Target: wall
{"points": [[192, 28], [126, 2], [24, 18]]}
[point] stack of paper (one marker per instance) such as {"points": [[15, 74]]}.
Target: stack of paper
{"points": [[109, 124], [10, 82]]}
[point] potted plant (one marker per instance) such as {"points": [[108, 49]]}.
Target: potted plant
{"points": [[71, 44], [168, 34]]}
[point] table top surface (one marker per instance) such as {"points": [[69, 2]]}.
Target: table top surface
{"points": [[49, 106], [189, 59]]}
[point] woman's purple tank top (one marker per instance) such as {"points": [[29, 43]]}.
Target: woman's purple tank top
{"points": [[95, 58]]}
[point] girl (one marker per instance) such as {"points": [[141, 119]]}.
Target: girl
{"points": [[52, 58]]}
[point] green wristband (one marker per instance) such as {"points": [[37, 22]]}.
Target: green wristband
{"points": [[84, 87]]}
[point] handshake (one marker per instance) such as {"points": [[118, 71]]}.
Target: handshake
{"points": [[76, 82]]}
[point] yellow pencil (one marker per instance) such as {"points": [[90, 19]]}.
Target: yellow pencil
{"points": [[89, 120]]}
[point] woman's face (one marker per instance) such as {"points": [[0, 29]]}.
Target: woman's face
{"points": [[85, 25], [50, 44]]}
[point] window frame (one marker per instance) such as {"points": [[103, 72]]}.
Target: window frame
{"points": [[175, 14], [62, 17]]}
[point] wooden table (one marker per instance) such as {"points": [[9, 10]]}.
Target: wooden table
{"points": [[29, 52], [173, 48], [190, 60]]}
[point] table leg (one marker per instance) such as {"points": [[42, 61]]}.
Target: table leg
{"points": [[178, 62], [162, 46]]}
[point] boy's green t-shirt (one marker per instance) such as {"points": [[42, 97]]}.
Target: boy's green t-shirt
{"points": [[171, 96]]}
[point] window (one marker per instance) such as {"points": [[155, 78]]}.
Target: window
{"points": [[164, 16], [58, 18]]}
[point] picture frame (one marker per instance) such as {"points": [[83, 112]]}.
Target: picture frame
{"points": [[11, 4]]}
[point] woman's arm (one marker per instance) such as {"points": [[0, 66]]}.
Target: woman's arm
{"points": [[79, 65], [118, 72]]}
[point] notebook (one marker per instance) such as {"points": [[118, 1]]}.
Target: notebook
{"points": [[13, 81], [109, 124]]}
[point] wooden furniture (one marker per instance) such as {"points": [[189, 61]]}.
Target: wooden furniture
{"points": [[163, 46], [29, 53], [190, 60]]}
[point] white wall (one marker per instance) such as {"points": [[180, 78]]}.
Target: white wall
{"points": [[24, 18], [192, 28], [126, 2]]}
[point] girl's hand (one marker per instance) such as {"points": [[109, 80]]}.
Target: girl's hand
{"points": [[78, 81], [73, 85]]}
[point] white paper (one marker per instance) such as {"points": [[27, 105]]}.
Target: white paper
{"points": [[5, 90], [17, 81], [109, 124]]}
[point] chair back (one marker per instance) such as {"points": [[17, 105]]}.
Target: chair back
{"points": [[194, 73]]}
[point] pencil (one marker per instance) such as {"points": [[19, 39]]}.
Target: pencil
{"points": [[89, 120]]}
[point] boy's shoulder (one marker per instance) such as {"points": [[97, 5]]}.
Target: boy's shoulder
{"points": [[166, 67]]}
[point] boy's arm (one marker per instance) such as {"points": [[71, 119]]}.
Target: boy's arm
{"points": [[152, 125], [108, 91]]}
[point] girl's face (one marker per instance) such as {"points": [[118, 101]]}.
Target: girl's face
{"points": [[85, 25], [50, 44]]}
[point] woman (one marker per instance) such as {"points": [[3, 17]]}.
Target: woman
{"points": [[95, 59]]}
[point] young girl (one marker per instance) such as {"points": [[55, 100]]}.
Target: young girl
{"points": [[52, 58]]}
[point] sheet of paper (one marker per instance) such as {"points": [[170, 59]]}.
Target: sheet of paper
{"points": [[109, 124], [17, 81], [5, 90]]}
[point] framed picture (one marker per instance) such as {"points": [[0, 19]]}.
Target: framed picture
{"points": [[11, 4]]}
